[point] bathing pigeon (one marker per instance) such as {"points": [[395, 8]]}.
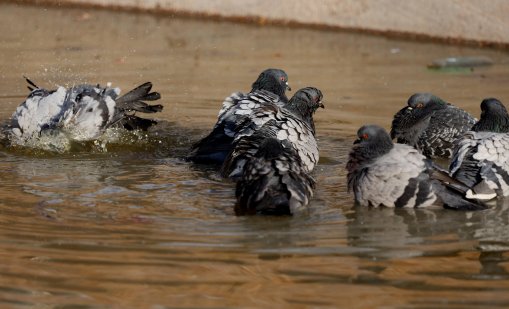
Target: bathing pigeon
{"points": [[381, 173], [82, 112], [274, 181], [268, 89], [481, 157], [430, 124], [293, 123]]}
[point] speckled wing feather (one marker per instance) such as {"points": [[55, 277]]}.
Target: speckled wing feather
{"points": [[433, 134], [481, 161], [274, 122], [244, 150], [239, 103], [287, 127], [392, 182], [444, 128], [236, 112]]}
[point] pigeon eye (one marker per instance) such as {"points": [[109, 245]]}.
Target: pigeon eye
{"points": [[419, 105], [282, 78], [90, 110], [364, 136]]}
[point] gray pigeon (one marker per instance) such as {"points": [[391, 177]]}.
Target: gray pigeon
{"points": [[268, 89], [293, 123], [81, 113], [381, 173], [274, 181], [431, 125], [481, 157]]}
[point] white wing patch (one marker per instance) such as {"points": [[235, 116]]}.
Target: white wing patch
{"points": [[36, 112]]}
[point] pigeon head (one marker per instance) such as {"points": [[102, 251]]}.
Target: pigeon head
{"points": [[305, 102], [408, 124], [425, 103], [91, 115], [273, 80], [494, 117], [372, 141]]}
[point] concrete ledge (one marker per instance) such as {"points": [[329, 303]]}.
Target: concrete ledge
{"points": [[463, 21]]}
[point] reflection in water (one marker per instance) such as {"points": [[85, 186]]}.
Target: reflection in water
{"points": [[132, 225], [435, 244]]}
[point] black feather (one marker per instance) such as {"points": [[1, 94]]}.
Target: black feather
{"points": [[31, 83], [133, 100], [132, 122], [273, 181]]}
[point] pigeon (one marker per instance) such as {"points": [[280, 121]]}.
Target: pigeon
{"points": [[293, 123], [81, 112], [268, 89], [431, 125], [274, 181], [381, 173], [481, 157]]}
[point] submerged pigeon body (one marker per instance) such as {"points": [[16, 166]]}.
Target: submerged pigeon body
{"points": [[381, 173], [481, 156], [431, 125], [80, 113], [237, 109], [292, 123], [274, 181]]}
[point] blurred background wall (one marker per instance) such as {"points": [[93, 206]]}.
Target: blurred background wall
{"points": [[484, 22]]}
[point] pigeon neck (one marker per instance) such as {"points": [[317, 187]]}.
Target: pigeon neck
{"points": [[301, 109], [434, 105], [273, 87], [492, 122], [368, 152]]}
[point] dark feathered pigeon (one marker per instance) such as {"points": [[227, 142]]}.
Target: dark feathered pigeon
{"points": [[381, 173], [431, 125], [81, 113], [274, 181], [268, 89], [292, 123], [481, 157]]}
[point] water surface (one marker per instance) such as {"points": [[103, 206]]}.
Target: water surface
{"points": [[135, 226]]}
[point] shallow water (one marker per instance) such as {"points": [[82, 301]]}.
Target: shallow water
{"points": [[135, 226]]}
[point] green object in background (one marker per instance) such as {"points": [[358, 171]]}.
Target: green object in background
{"points": [[460, 64]]}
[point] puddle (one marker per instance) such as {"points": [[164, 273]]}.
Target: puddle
{"points": [[137, 227]]}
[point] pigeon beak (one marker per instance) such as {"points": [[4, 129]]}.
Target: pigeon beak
{"points": [[409, 108], [288, 87], [320, 104], [357, 141]]}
